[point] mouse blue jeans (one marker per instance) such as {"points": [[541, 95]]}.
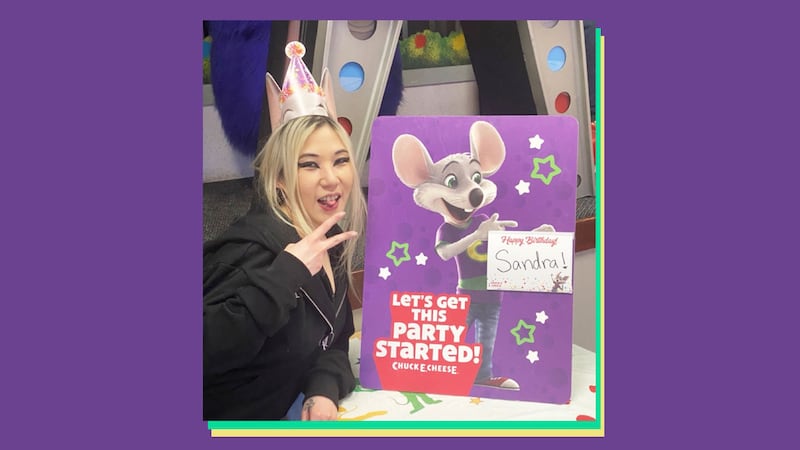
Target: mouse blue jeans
{"points": [[485, 317]]}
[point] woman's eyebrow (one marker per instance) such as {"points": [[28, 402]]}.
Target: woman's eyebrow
{"points": [[315, 155]]}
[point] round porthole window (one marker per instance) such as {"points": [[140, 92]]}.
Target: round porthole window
{"points": [[563, 101], [351, 76], [362, 29], [556, 58]]}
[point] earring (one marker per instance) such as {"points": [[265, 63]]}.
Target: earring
{"points": [[281, 197]]}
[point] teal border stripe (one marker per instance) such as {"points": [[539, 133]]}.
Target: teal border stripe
{"points": [[599, 80], [491, 425], [402, 425]]}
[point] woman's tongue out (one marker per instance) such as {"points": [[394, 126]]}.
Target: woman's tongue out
{"points": [[329, 202]]}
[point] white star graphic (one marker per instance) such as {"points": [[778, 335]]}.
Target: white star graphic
{"points": [[384, 273], [536, 142], [523, 187], [421, 259], [532, 356], [541, 317]]}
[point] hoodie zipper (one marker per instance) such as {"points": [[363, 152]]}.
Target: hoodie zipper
{"points": [[336, 315]]}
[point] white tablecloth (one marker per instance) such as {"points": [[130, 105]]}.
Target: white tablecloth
{"points": [[367, 404]]}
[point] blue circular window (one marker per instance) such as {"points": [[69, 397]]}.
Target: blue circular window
{"points": [[351, 76], [556, 58]]}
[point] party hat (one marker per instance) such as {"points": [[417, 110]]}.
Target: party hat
{"points": [[300, 94]]}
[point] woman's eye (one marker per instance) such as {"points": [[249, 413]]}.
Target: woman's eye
{"points": [[451, 181], [476, 177], [342, 161], [308, 164]]}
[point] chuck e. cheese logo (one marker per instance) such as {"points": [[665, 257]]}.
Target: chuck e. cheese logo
{"points": [[426, 351]]}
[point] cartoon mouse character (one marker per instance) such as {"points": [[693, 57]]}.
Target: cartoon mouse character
{"points": [[558, 282], [456, 187]]}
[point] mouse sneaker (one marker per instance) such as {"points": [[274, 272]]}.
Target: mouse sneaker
{"points": [[499, 383]]}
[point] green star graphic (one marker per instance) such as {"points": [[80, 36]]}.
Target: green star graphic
{"points": [[554, 169], [515, 331], [360, 388], [395, 246]]}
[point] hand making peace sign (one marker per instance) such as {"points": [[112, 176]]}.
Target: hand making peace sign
{"points": [[312, 249]]}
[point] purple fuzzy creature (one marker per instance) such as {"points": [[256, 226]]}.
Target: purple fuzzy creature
{"points": [[238, 63], [239, 51]]}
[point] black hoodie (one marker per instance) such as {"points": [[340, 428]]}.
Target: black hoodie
{"points": [[267, 323]]}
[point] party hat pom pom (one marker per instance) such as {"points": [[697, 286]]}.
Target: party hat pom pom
{"points": [[295, 48]]}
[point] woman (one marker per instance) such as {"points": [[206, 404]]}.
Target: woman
{"points": [[276, 318]]}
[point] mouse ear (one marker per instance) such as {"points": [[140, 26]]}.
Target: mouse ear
{"points": [[487, 146], [412, 163], [274, 102], [327, 89]]}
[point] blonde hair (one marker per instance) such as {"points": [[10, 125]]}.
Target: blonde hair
{"points": [[277, 163]]}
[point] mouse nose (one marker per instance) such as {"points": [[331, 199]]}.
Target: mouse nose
{"points": [[475, 197]]}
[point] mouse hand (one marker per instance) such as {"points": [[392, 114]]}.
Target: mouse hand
{"points": [[547, 228], [492, 224]]}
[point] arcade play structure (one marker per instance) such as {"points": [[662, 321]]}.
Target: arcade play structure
{"points": [[361, 57]]}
